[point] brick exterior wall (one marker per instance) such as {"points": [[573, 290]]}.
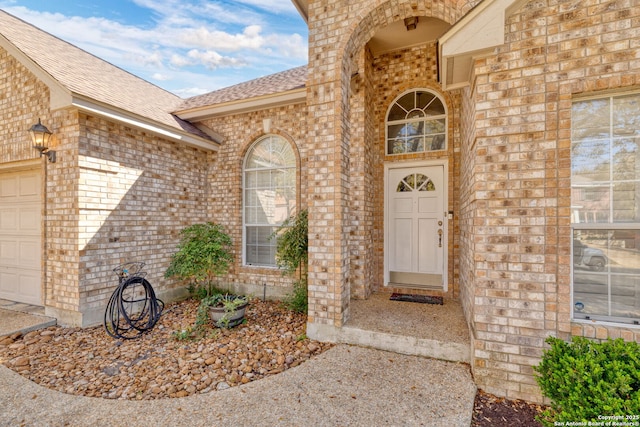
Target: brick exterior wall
{"points": [[135, 192], [61, 263], [468, 205], [118, 193], [239, 132], [509, 157], [115, 194], [361, 176], [517, 172], [23, 99]]}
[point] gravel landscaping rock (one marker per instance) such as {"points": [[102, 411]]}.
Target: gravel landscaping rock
{"points": [[89, 362]]}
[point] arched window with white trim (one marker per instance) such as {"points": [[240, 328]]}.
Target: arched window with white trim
{"points": [[416, 122], [269, 183]]}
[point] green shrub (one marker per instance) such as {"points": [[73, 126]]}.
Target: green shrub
{"points": [[585, 379], [203, 290], [292, 246], [297, 300], [203, 254], [292, 255]]}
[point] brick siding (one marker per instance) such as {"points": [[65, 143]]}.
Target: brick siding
{"points": [[338, 33], [517, 173], [115, 194], [118, 193], [239, 132]]}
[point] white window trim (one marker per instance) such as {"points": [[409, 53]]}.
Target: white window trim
{"points": [[244, 222], [444, 116], [609, 226]]}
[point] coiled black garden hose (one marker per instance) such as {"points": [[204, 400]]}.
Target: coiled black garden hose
{"points": [[133, 309]]}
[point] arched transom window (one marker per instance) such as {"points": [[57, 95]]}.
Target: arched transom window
{"points": [[415, 182], [416, 122], [269, 196]]}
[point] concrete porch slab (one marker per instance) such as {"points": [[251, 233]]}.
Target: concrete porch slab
{"points": [[437, 331]]}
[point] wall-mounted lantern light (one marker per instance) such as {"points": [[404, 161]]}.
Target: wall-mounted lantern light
{"points": [[40, 136]]}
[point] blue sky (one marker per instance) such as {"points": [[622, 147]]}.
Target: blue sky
{"points": [[188, 47]]}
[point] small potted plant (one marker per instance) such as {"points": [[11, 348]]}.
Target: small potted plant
{"points": [[225, 311]]}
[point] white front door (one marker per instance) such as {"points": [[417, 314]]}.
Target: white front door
{"points": [[416, 234], [20, 238]]}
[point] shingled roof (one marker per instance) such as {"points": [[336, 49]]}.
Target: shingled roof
{"points": [[284, 81], [81, 73]]}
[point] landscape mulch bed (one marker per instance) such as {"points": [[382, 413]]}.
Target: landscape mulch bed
{"points": [[89, 362], [492, 411]]}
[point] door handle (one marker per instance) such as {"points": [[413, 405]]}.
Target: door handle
{"points": [[440, 237]]}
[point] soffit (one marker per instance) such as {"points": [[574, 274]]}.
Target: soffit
{"points": [[476, 34], [303, 8], [396, 36]]}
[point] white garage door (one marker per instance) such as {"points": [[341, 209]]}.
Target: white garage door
{"points": [[20, 237]]}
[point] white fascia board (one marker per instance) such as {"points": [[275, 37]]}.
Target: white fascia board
{"points": [[59, 95], [475, 35], [89, 106], [245, 105]]}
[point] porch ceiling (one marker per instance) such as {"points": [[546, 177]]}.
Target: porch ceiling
{"points": [[397, 36]]}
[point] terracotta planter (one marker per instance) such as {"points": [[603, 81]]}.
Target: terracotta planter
{"points": [[235, 318]]}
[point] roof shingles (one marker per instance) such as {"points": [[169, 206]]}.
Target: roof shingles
{"points": [[284, 81], [84, 74], [89, 76]]}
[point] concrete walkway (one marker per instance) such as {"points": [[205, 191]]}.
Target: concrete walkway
{"points": [[345, 386], [12, 322]]}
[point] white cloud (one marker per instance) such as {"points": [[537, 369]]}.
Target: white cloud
{"points": [[213, 60], [180, 61], [186, 42], [160, 77], [278, 6], [191, 91], [201, 37], [152, 59], [290, 45]]}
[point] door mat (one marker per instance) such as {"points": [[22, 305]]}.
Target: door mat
{"points": [[424, 299]]}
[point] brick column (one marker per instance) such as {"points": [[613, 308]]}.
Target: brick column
{"points": [[328, 210], [328, 176]]}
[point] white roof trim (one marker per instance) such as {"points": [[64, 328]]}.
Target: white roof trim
{"points": [[92, 107], [476, 34], [245, 105], [59, 96]]}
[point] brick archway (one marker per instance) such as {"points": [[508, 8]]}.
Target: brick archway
{"points": [[337, 38]]}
